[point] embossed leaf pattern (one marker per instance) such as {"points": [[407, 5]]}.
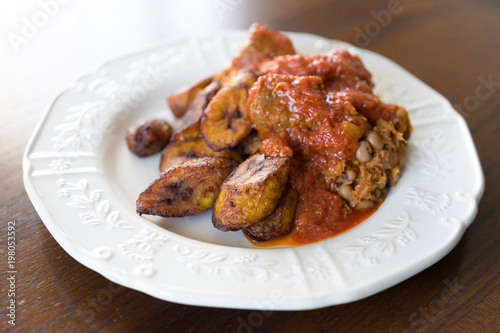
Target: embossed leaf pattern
{"points": [[310, 268], [389, 92], [103, 208], [261, 271], [60, 164], [143, 245], [432, 157], [408, 235], [84, 125], [319, 272], [242, 267], [432, 201], [149, 71], [353, 249], [385, 247], [390, 231], [108, 88], [95, 195], [206, 257], [79, 131], [382, 242], [89, 218], [79, 201], [97, 210], [367, 239]]}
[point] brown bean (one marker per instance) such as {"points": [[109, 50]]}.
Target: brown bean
{"points": [[389, 159], [395, 178], [364, 204], [383, 183], [345, 191], [374, 139], [363, 154], [351, 175], [399, 116], [401, 113]]}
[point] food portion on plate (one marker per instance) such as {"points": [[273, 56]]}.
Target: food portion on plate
{"points": [[280, 144]]}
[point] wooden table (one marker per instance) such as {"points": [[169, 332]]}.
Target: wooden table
{"points": [[452, 45]]}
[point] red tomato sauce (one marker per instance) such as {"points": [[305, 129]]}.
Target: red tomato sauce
{"points": [[293, 111], [291, 239]]}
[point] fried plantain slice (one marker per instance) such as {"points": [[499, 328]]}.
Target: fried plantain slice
{"points": [[250, 145], [251, 192], [280, 222], [225, 122], [167, 163], [148, 138], [188, 127], [180, 100], [188, 188], [237, 77], [179, 151]]}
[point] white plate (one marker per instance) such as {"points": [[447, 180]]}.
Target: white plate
{"points": [[83, 183]]}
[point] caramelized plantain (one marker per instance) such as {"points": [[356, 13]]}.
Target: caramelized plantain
{"points": [[237, 77], [225, 122], [251, 192], [148, 138], [188, 127], [179, 151], [280, 222], [188, 188], [180, 100], [250, 145], [167, 163]]}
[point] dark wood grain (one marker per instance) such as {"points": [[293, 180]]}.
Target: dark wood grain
{"points": [[448, 44]]}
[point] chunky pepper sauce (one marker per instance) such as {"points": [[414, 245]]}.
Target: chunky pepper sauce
{"points": [[315, 109], [321, 135]]}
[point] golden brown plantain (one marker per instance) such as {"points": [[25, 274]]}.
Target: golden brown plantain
{"points": [[188, 127], [180, 100], [251, 192], [171, 162], [148, 138], [280, 222], [225, 122], [237, 77], [186, 189], [179, 151], [250, 145]]}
